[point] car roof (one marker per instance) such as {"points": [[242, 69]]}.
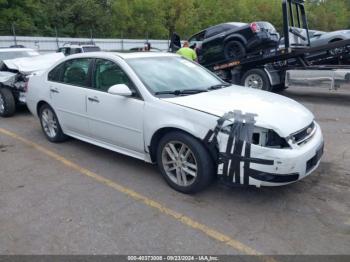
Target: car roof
{"points": [[238, 24], [16, 49], [77, 46], [123, 55], [318, 31]]}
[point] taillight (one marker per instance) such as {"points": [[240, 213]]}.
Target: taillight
{"points": [[26, 85], [255, 27]]}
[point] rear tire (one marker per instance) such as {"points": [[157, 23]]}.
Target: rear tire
{"points": [[234, 50], [184, 162], [7, 103], [256, 78], [50, 125]]}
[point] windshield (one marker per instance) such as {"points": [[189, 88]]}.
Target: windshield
{"points": [[162, 74], [17, 54]]}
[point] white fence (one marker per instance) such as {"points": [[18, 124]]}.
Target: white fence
{"points": [[50, 44]]}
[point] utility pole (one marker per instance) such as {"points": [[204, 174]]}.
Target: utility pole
{"points": [[56, 37], [91, 38], [14, 33], [122, 41]]}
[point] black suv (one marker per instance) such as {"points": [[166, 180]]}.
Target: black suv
{"points": [[233, 41]]}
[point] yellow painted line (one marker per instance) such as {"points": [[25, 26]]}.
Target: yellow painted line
{"points": [[212, 233]]}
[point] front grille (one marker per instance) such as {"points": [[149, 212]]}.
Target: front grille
{"points": [[304, 135]]}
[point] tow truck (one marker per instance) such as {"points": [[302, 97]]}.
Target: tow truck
{"points": [[293, 62]]}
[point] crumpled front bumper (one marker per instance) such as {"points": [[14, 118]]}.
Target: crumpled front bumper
{"points": [[289, 165], [244, 163]]}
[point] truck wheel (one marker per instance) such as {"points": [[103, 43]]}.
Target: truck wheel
{"points": [[256, 78], [234, 50], [7, 103], [184, 162]]}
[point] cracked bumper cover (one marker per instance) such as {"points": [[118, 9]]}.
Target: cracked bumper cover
{"points": [[265, 166]]}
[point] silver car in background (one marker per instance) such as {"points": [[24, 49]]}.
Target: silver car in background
{"points": [[318, 38]]}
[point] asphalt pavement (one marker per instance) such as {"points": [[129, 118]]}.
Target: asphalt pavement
{"points": [[76, 198]]}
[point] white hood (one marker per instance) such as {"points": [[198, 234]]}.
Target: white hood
{"points": [[276, 112], [28, 65]]}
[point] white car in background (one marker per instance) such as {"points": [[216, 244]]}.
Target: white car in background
{"points": [[318, 38], [12, 53], [164, 109], [71, 49], [16, 66], [11, 86]]}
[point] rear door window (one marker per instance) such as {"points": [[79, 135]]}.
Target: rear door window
{"points": [[56, 74], [76, 72], [215, 30]]}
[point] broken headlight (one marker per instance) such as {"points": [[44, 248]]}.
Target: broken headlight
{"points": [[262, 137], [268, 138]]}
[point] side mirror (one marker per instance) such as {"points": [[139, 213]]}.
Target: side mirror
{"points": [[120, 90]]}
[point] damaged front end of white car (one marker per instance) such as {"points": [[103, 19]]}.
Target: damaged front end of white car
{"points": [[251, 155]]}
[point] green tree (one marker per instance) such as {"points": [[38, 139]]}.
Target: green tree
{"points": [[329, 15], [154, 18], [178, 16], [138, 18], [20, 13]]}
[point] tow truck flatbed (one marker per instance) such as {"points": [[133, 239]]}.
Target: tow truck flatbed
{"points": [[279, 68], [334, 51]]}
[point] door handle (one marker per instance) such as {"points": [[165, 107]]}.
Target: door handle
{"points": [[94, 99], [54, 90]]}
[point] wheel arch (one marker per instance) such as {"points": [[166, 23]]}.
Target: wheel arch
{"points": [[158, 134], [336, 40], [235, 37], [40, 104]]}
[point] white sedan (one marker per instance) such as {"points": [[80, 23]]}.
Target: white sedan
{"points": [[164, 109]]}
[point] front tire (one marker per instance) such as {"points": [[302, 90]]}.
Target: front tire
{"points": [[7, 103], [184, 162], [50, 125]]}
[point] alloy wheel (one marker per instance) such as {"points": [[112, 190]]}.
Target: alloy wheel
{"points": [[49, 123], [179, 163]]}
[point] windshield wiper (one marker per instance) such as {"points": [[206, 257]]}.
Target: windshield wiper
{"points": [[181, 92], [219, 86]]}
